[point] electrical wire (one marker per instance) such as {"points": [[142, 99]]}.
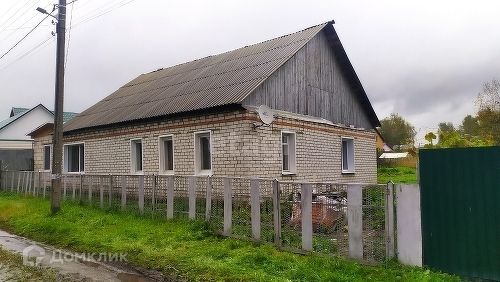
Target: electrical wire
{"points": [[119, 5], [69, 34], [15, 14], [24, 37], [33, 50]]}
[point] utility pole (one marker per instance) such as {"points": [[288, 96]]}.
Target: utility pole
{"points": [[57, 142]]}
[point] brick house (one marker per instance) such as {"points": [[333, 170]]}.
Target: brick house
{"points": [[200, 117]]}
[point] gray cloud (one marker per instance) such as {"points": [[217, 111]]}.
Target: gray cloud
{"points": [[423, 59]]}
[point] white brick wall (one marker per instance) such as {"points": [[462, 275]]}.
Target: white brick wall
{"points": [[238, 148]]}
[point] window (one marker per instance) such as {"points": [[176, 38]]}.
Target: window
{"points": [[166, 154], [136, 155], [203, 153], [347, 155], [288, 152], [47, 157], [74, 158]]}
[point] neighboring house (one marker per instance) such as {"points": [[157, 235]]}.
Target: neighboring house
{"points": [[381, 144], [16, 147], [200, 117]]}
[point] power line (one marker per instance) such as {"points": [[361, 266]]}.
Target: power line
{"points": [[33, 50], [69, 34], [14, 14], [119, 5], [34, 15], [24, 37]]}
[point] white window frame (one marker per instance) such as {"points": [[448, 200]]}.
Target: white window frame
{"points": [[197, 156], [50, 161], [133, 161], [66, 161], [161, 155], [350, 159], [292, 153]]}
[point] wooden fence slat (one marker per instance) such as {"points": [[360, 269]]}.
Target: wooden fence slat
{"points": [[124, 191]]}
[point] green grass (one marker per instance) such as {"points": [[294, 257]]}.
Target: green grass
{"points": [[397, 174], [185, 250]]}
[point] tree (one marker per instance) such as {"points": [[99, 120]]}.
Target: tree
{"points": [[430, 137], [397, 131], [489, 125], [470, 126], [489, 97], [446, 127]]}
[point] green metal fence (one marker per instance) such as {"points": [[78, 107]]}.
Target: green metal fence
{"points": [[460, 201]]}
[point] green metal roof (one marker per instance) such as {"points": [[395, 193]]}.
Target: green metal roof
{"points": [[19, 112]]}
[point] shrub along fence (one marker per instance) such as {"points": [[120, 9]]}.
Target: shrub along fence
{"points": [[351, 220]]}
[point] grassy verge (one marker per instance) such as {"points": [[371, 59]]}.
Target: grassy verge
{"points": [[13, 269], [185, 250], [397, 174]]}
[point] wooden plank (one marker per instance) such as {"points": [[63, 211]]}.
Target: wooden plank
{"points": [[101, 192], [389, 221]]}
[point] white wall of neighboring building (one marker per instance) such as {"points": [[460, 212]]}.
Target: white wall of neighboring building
{"points": [[18, 129]]}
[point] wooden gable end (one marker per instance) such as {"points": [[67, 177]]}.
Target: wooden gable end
{"points": [[313, 82]]}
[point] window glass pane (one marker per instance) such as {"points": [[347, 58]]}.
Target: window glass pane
{"points": [[286, 157], [82, 158], [169, 155], [74, 158], [205, 153], [138, 156], [345, 165], [46, 159]]}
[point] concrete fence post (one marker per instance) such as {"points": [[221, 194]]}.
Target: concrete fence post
{"points": [[141, 194], [389, 221], [80, 190], [124, 191], [101, 192], [306, 212], [65, 187], [73, 189], [170, 197], [192, 196], [12, 181], [228, 206], [110, 191], [90, 183], [255, 208], [355, 220], [18, 182], [153, 194], [276, 213], [208, 199]]}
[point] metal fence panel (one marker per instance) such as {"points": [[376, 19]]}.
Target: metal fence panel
{"points": [[460, 190]]}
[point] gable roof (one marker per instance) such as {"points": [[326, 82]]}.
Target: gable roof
{"points": [[17, 113], [210, 82]]}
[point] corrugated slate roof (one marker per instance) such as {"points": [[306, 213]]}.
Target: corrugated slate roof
{"points": [[213, 81]]}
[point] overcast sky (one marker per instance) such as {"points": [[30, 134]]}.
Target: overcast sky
{"points": [[425, 60]]}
